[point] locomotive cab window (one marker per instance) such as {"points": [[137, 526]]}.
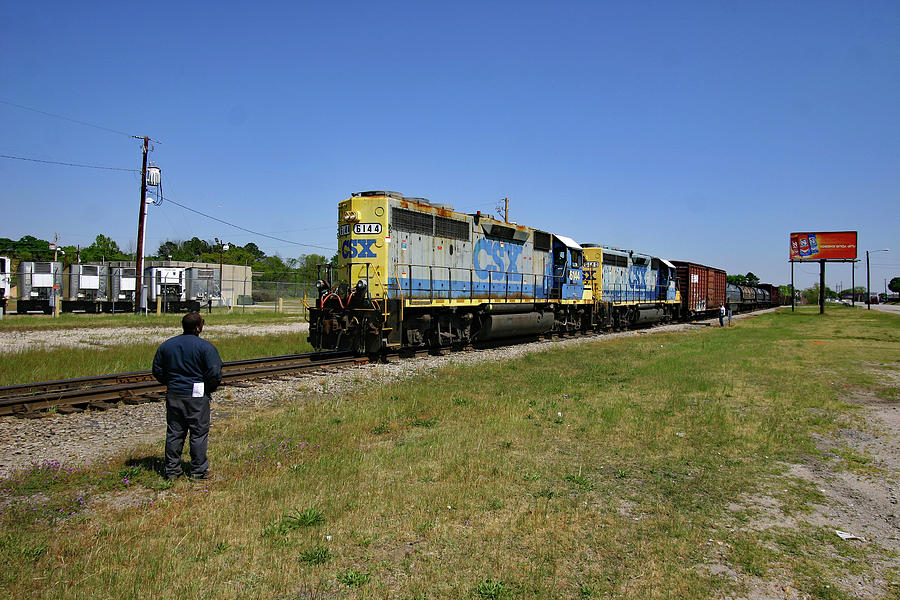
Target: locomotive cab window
{"points": [[576, 259]]}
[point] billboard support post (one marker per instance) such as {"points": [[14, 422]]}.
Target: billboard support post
{"points": [[792, 286], [853, 284], [822, 287]]}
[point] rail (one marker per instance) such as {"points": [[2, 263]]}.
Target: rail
{"points": [[140, 386]]}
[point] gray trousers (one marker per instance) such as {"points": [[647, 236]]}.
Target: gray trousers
{"points": [[184, 414]]}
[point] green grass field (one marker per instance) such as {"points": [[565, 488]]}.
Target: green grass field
{"points": [[49, 365], [590, 471], [28, 366]]}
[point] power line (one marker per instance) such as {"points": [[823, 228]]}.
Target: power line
{"points": [[49, 114], [244, 228], [55, 162]]}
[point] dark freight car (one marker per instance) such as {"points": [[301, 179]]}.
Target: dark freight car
{"points": [[702, 288], [774, 294]]}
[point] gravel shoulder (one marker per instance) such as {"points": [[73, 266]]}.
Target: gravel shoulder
{"points": [[49, 339]]}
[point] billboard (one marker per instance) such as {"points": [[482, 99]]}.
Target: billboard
{"points": [[823, 245]]}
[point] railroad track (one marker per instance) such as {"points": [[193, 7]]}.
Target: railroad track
{"points": [[31, 400], [104, 391]]}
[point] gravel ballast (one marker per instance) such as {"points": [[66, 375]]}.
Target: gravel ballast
{"points": [[98, 337]]}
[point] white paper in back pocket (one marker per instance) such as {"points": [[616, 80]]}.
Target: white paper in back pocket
{"points": [[198, 390]]}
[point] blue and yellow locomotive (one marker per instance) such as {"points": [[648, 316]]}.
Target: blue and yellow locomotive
{"points": [[415, 274]]}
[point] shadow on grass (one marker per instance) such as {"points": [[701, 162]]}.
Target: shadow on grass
{"points": [[153, 464]]}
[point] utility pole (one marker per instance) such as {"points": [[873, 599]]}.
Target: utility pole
{"points": [[504, 207], [55, 246], [223, 247], [139, 260]]}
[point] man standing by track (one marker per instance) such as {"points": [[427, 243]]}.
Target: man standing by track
{"points": [[191, 370]]}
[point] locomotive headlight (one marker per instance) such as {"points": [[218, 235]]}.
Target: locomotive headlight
{"points": [[361, 286], [351, 216], [322, 286]]}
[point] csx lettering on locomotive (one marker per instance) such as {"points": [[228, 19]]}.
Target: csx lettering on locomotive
{"points": [[497, 256], [361, 248]]}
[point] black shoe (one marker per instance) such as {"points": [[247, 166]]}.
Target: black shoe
{"points": [[201, 476]]}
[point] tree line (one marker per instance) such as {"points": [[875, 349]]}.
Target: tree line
{"points": [[104, 249]]}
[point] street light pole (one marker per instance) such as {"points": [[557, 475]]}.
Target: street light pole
{"points": [[222, 248], [868, 293], [868, 290], [142, 217]]}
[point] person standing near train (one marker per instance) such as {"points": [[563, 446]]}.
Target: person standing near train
{"points": [[191, 370], [722, 316]]}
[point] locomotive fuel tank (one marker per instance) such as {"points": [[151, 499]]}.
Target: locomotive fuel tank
{"points": [[499, 326]]}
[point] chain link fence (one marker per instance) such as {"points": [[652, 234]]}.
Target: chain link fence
{"points": [[46, 289]]}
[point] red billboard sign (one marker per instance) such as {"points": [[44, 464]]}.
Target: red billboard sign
{"points": [[823, 245]]}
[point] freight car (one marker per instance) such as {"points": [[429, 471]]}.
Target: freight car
{"points": [[416, 274], [742, 298], [774, 293], [702, 289]]}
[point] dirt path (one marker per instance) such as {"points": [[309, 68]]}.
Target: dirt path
{"points": [[862, 503]]}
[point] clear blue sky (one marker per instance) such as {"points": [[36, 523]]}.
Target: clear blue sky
{"points": [[703, 131]]}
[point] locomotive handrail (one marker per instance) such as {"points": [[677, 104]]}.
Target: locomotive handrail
{"points": [[630, 293], [432, 293]]}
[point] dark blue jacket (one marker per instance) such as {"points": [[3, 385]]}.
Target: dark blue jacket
{"points": [[184, 360]]}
